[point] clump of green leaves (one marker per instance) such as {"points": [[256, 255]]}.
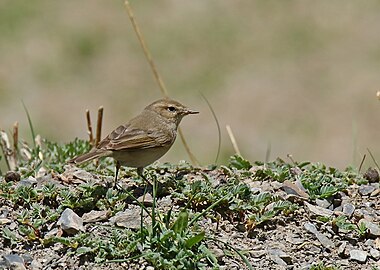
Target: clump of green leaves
{"points": [[319, 180]]}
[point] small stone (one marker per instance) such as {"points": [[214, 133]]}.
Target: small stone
{"points": [[130, 218], [30, 181], [257, 253], [4, 221], [365, 190], [94, 216], [348, 209], [374, 253], [83, 175], [375, 193], [319, 211], [323, 239], [372, 175], [218, 253], [14, 262], [70, 222], [377, 243], [146, 199], [12, 176], [323, 203], [293, 189], [281, 254], [358, 255], [36, 265], [342, 248], [373, 229]]}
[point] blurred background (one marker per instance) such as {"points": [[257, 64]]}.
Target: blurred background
{"points": [[296, 77]]}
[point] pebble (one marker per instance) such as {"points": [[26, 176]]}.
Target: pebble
{"points": [[70, 222], [36, 265], [323, 203], [146, 199], [14, 262], [374, 253], [323, 239], [365, 190], [358, 255], [319, 211], [342, 248], [94, 216], [372, 175], [130, 218], [348, 209], [293, 189], [373, 229], [12, 176]]}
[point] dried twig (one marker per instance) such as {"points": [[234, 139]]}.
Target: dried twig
{"points": [[7, 151], [217, 125], [99, 124], [89, 127], [145, 49], [15, 141], [373, 159], [155, 73], [362, 162], [233, 140]]}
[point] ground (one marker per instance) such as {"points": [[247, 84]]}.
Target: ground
{"points": [[274, 215]]}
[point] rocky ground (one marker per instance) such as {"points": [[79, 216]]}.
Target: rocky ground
{"points": [[296, 228]]}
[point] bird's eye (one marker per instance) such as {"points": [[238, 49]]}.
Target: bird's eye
{"points": [[171, 109]]}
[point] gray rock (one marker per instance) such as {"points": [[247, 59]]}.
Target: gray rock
{"points": [[14, 262], [12, 176], [323, 203], [358, 255], [374, 253], [366, 189], [70, 222], [319, 211], [375, 193], [293, 189], [372, 175], [323, 239], [36, 265], [30, 181], [83, 175], [348, 209], [130, 218], [342, 248], [94, 216], [281, 255], [146, 199], [373, 229]]}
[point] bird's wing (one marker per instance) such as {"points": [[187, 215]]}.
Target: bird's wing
{"points": [[126, 137]]}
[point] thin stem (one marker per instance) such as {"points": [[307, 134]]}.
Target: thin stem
{"points": [[89, 128], [99, 126], [15, 142], [233, 140], [156, 74]]}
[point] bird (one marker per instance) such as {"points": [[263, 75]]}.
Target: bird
{"points": [[144, 139]]}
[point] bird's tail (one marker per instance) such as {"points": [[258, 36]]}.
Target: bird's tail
{"points": [[93, 154]]}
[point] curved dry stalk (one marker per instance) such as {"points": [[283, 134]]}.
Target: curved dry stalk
{"points": [[233, 140], [156, 74]]}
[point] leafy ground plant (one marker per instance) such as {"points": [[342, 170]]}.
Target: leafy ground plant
{"points": [[169, 237]]}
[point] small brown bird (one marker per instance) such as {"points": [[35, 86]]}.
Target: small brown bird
{"points": [[143, 140]]}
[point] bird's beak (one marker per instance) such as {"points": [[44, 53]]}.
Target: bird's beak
{"points": [[188, 111]]}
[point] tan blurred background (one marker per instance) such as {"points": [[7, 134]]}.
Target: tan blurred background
{"points": [[300, 76]]}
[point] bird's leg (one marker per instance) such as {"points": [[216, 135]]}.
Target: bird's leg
{"points": [[118, 165]]}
